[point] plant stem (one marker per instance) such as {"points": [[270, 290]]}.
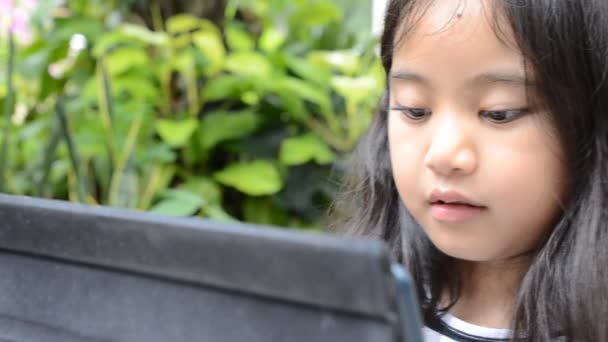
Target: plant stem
{"points": [[151, 187], [157, 18], [192, 90], [116, 182], [74, 158], [106, 109], [337, 142], [8, 110], [48, 158]]}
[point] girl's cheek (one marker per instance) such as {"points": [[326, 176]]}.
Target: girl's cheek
{"points": [[524, 174]]}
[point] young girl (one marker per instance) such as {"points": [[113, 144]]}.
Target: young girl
{"points": [[485, 169]]}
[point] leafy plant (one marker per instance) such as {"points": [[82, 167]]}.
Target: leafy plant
{"points": [[244, 121]]}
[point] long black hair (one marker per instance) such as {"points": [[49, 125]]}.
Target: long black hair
{"points": [[565, 290]]}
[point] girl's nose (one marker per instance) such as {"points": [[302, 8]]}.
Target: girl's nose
{"points": [[451, 151]]}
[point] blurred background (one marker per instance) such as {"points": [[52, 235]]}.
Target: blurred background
{"points": [[229, 109]]}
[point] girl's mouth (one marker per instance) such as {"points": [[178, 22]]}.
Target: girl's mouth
{"points": [[455, 211]]}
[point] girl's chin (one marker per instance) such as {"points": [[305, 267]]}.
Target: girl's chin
{"points": [[466, 251]]}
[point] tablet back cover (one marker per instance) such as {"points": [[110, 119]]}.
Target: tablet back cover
{"points": [[79, 273]]}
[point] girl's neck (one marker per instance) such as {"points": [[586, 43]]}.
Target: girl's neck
{"points": [[489, 290]]}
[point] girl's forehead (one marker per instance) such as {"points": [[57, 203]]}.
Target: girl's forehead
{"points": [[456, 38], [456, 22]]}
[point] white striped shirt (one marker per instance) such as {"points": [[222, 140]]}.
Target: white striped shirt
{"points": [[448, 328]]}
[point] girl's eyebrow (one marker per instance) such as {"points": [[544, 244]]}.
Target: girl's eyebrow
{"points": [[514, 78], [486, 78], [406, 75]]}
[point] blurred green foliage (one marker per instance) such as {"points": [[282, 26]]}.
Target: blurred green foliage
{"points": [[245, 121]]}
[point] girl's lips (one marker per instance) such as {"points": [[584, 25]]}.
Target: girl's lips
{"points": [[454, 212], [451, 197]]}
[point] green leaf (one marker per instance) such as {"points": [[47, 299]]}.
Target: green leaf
{"points": [[226, 87], [137, 87], [156, 178], [203, 187], [129, 35], [260, 210], [176, 133], [307, 92], [238, 39], [255, 178], [272, 39], [302, 149], [216, 212], [316, 14], [127, 190], [182, 23], [68, 26], [124, 59], [157, 152], [144, 35], [355, 89], [90, 142], [107, 42], [317, 73], [250, 98], [89, 90], [210, 43], [249, 64], [346, 61], [174, 207], [178, 203], [221, 126], [293, 105], [184, 62]]}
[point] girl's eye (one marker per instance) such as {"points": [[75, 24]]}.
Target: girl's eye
{"points": [[414, 113], [503, 116]]}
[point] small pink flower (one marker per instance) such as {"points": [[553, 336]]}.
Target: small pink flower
{"points": [[6, 6], [56, 70], [21, 26], [16, 15]]}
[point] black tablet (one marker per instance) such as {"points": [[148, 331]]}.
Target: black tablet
{"points": [[82, 273]]}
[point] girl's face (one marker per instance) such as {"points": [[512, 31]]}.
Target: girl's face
{"points": [[462, 130]]}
